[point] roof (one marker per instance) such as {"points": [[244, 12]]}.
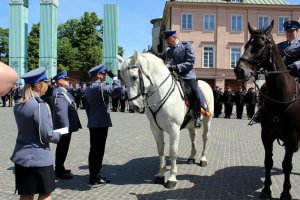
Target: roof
{"points": [[264, 2]]}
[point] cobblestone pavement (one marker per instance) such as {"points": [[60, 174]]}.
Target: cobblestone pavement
{"points": [[234, 171]]}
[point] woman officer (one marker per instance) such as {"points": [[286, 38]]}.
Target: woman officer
{"points": [[34, 172]]}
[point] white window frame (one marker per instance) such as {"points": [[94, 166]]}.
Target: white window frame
{"points": [[263, 16], [214, 21], [281, 25], [192, 22], [234, 47], [242, 24], [214, 56]]}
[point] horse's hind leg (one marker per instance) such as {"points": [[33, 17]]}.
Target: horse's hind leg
{"points": [[205, 138], [287, 168], [191, 159], [268, 145], [160, 143]]}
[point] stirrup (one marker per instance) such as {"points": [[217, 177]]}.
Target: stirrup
{"points": [[197, 123]]}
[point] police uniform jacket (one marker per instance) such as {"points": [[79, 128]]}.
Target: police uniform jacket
{"points": [[97, 101], [64, 110], [182, 55], [290, 53], [35, 132], [116, 89], [124, 93]]}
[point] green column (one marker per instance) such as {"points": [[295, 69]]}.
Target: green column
{"points": [[110, 37], [18, 36], [48, 36]]}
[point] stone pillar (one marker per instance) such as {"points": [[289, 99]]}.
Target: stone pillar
{"points": [[110, 37], [48, 36], [18, 36]]}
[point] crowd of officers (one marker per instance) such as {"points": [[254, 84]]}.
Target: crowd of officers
{"points": [[240, 98], [118, 101]]}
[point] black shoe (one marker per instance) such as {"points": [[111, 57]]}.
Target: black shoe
{"points": [[197, 123], [99, 180], [64, 174]]}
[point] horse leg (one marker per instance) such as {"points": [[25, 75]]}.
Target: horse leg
{"points": [[287, 168], [160, 144], [173, 152], [192, 133], [205, 135], [268, 145]]}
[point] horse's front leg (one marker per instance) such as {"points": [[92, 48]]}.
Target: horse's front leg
{"points": [[268, 145], [174, 141], [160, 144], [205, 138], [192, 134], [287, 169]]}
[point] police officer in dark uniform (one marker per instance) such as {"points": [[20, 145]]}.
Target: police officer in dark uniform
{"points": [[64, 115], [239, 99], [123, 97], [116, 87], [180, 57], [228, 102], [290, 49], [32, 157], [97, 110], [250, 100], [217, 101]]}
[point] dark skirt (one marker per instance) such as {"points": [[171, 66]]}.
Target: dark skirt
{"points": [[34, 180]]}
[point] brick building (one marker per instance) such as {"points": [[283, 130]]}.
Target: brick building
{"points": [[218, 30]]}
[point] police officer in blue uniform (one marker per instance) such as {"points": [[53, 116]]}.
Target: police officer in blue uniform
{"points": [[116, 93], [290, 49], [64, 115], [180, 57], [32, 157], [97, 110]]}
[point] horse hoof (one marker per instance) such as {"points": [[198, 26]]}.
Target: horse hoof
{"points": [[159, 180], [170, 184], [190, 161], [285, 196], [203, 163], [264, 195]]}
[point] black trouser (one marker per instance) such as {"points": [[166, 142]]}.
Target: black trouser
{"points": [[228, 109], [239, 110], [97, 148], [115, 104], [122, 104], [61, 152], [4, 100], [194, 86]]}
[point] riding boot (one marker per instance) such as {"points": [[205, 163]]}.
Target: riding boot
{"points": [[197, 123]]}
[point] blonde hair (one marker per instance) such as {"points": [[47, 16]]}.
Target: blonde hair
{"points": [[29, 91]]}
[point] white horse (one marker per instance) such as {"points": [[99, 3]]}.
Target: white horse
{"points": [[151, 88]]}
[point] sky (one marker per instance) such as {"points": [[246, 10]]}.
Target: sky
{"points": [[135, 28]]}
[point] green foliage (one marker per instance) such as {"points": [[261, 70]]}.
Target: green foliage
{"points": [[4, 52], [33, 46]]}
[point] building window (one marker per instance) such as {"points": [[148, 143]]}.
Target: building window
{"points": [[209, 22], [186, 21], [263, 22], [281, 21], [208, 57], [236, 1], [235, 54], [236, 23]]}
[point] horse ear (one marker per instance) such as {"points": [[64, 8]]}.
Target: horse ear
{"points": [[270, 27], [251, 30], [135, 56]]}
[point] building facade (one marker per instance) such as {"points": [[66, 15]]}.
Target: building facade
{"points": [[218, 30]]}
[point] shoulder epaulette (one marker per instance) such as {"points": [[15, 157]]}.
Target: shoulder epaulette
{"points": [[39, 100]]}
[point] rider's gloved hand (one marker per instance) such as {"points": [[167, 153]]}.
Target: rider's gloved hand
{"points": [[172, 67], [293, 69]]}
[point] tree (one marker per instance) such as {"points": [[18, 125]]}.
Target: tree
{"points": [[33, 46], [4, 48]]}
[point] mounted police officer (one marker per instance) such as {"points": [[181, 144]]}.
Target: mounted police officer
{"points": [[64, 115], [290, 49], [97, 110], [32, 157], [180, 57]]}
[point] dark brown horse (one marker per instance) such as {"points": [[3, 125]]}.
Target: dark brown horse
{"points": [[280, 109]]}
